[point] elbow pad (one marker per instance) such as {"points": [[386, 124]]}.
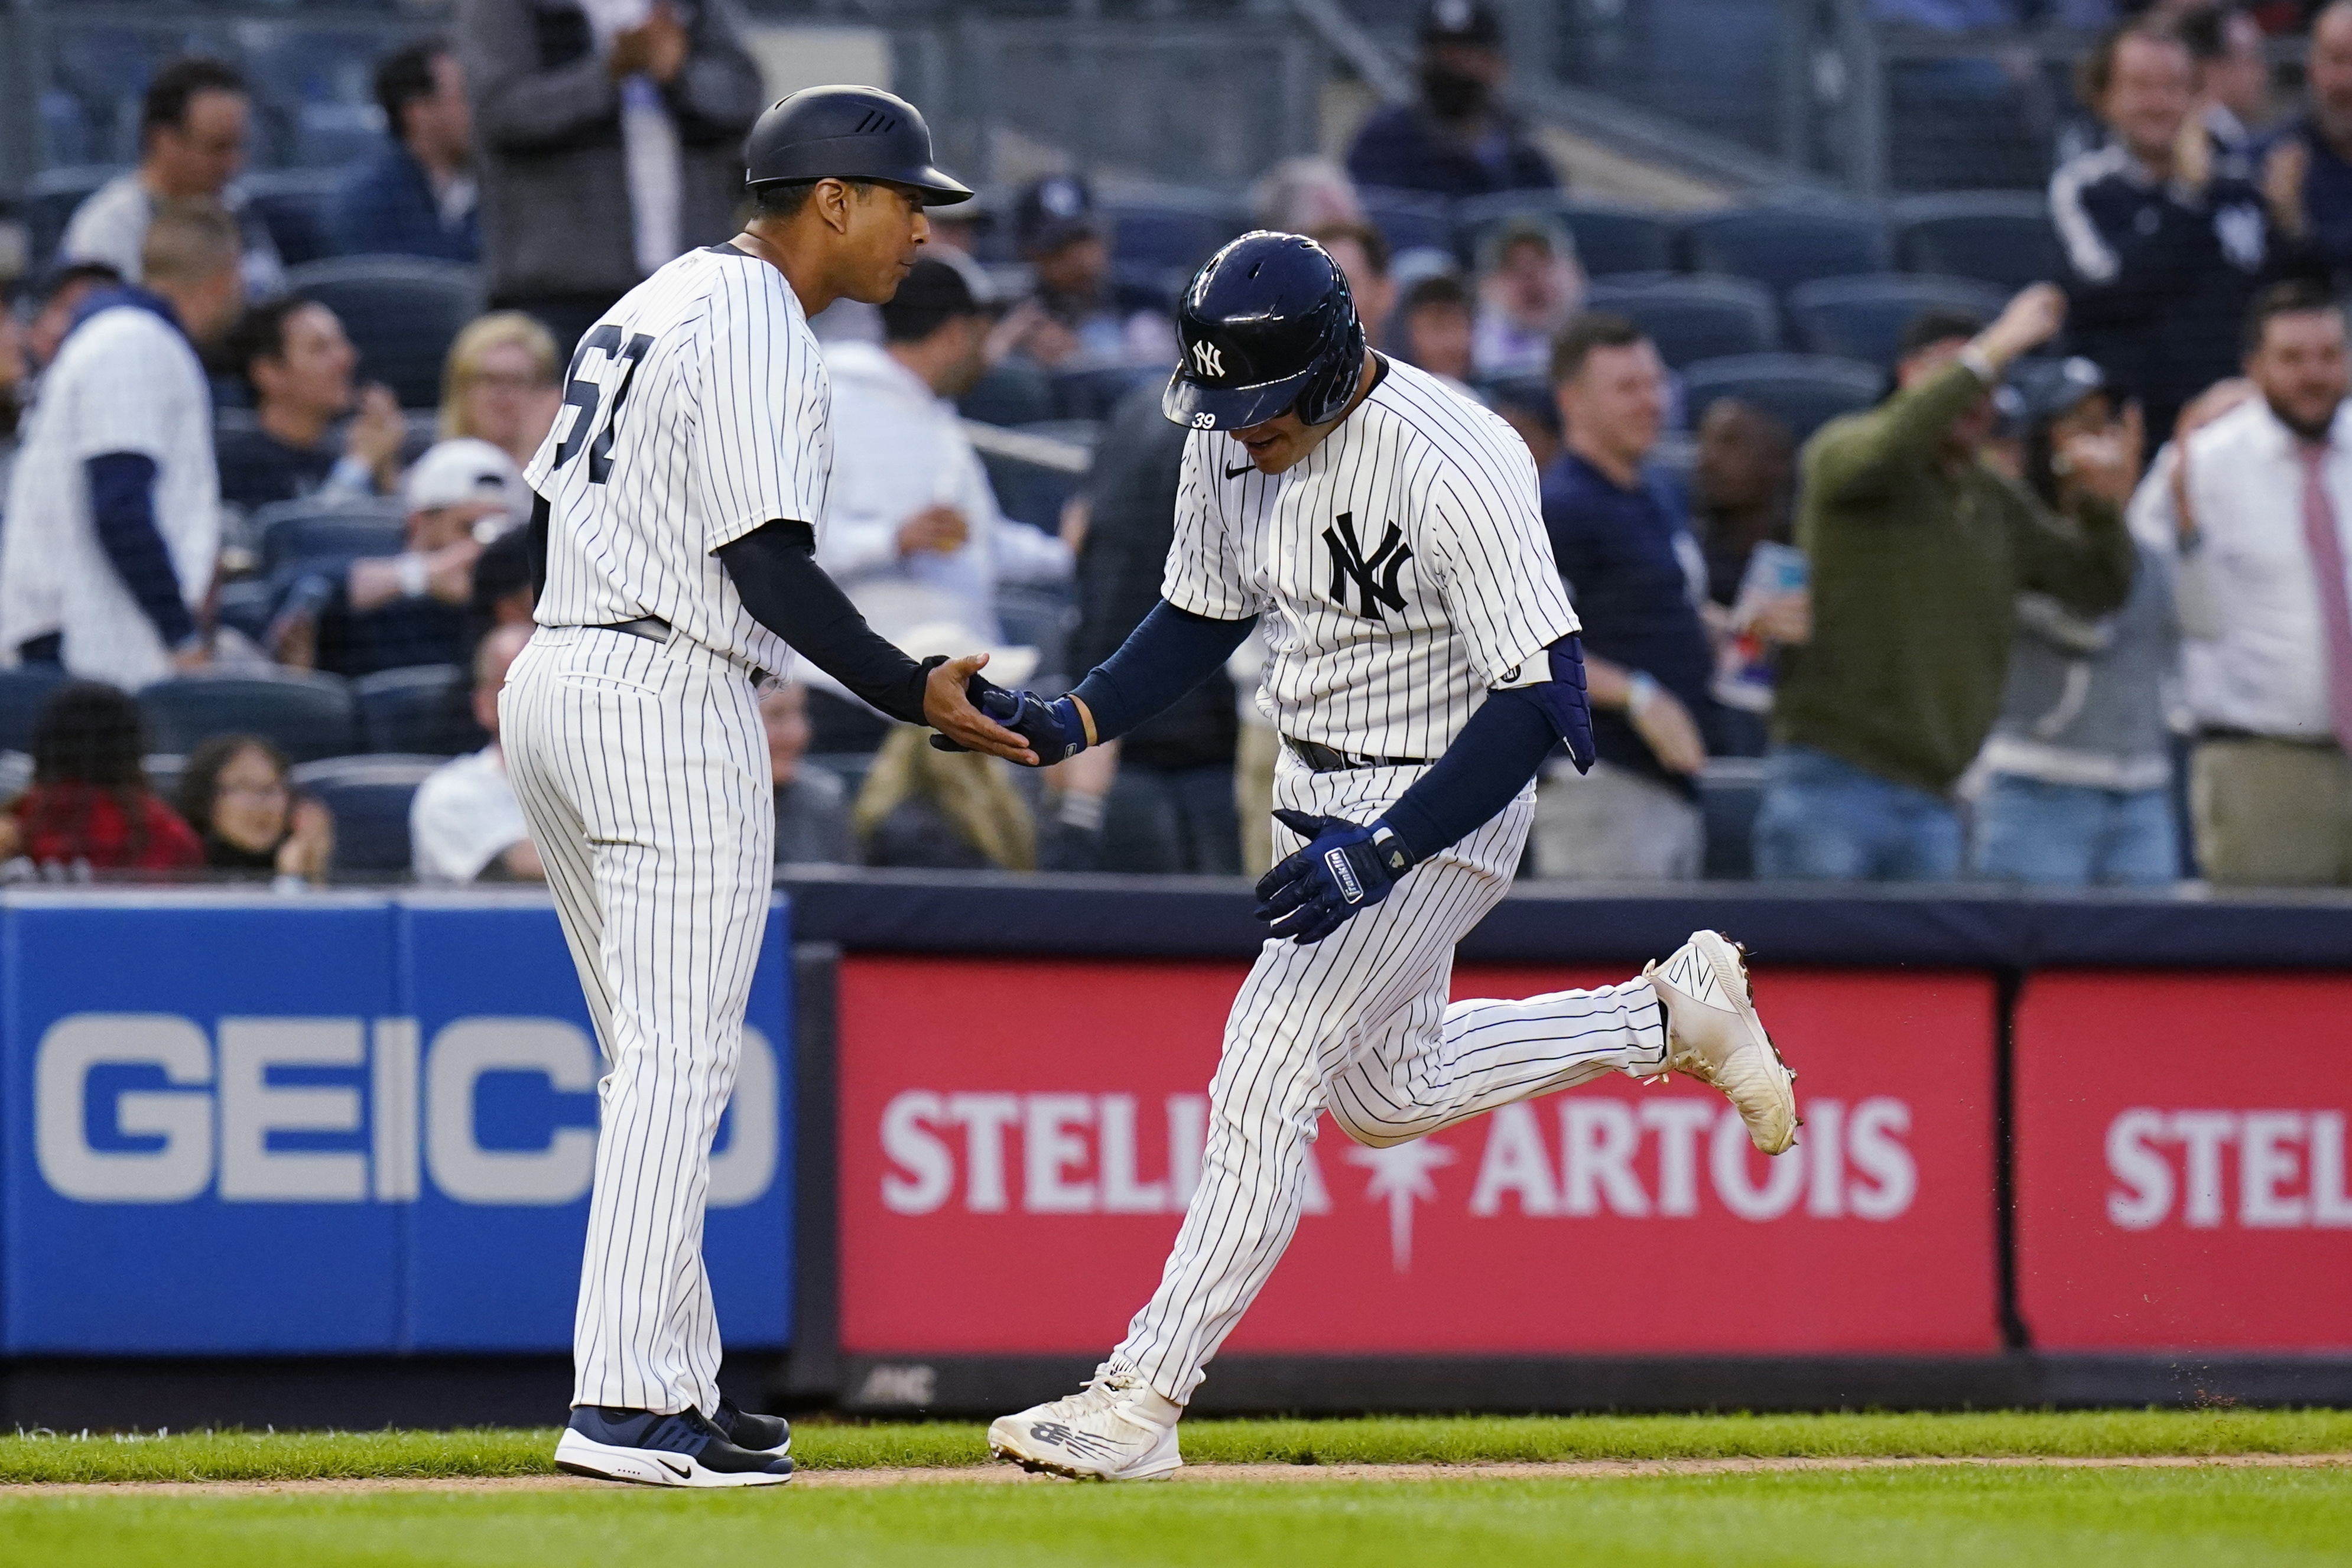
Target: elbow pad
{"points": [[1557, 686]]}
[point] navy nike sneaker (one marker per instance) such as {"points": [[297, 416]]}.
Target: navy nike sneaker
{"points": [[760, 1434], [680, 1450]]}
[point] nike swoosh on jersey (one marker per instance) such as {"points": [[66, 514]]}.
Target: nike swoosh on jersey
{"points": [[1245, 468]]}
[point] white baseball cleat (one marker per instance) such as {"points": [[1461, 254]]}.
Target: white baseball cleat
{"points": [[1114, 1430], [1714, 1035]]}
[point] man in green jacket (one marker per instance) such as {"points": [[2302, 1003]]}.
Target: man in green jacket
{"points": [[1918, 550]]}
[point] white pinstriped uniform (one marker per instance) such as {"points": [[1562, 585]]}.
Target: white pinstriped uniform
{"points": [[694, 412], [1358, 1024], [125, 381]]}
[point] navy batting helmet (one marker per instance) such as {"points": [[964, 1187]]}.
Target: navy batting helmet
{"points": [[846, 133], [1266, 325]]}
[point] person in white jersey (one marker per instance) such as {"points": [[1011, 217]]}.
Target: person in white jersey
{"points": [[1386, 529], [680, 493], [113, 512]]}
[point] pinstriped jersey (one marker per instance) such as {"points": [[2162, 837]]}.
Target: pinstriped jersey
{"points": [[693, 413], [1400, 571]]}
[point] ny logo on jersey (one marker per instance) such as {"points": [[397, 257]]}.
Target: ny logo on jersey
{"points": [[1207, 360], [1375, 576]]}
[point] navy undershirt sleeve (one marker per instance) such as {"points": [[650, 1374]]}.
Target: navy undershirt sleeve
{"points": [[1493, 756], [774, 570], [122, 511], [1167, 655]]}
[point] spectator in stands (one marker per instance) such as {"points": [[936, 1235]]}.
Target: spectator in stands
{"points": [[1528, 286], [294, 353], [1917, 553], [942, 810], [2310, 169], [1303, 194], [500, 385], [57, 299], [812, 803], [90, 808], [2081, 756], [1185, 756], [1635, 574], [1437, 330], [235, 794], [1527, 406], [2163, 248], [192, 132], [381, 613], [913, 531], [418, 195], [1455, 139], [1081, 316], [1362, 253], [2255, 517], [464, 824], [114, 524], [2234, 80], [1742, 483], [609, 135]]}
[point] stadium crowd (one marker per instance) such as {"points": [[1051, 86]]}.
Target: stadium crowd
{"points": [[2052, 589]]}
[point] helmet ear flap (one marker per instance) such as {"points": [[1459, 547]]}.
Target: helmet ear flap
{"points": [[1322, 398]]}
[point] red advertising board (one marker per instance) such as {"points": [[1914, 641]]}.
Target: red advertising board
{"points": [[2182, 1162], [1018, 1137]]}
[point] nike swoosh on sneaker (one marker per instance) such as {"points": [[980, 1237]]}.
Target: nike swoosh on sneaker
{"points": [[1245, 468], [680, 1472]]}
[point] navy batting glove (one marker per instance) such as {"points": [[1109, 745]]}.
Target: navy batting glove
{"points": [[1053, 730], [1344, 867]]}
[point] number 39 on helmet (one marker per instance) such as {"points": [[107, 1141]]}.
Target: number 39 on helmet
{"points": [[1266, 327]]}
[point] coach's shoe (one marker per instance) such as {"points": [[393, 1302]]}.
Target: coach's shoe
{"points": [[760, 1434], [1114, 1430], [680, 1450], [1712, 1034]]}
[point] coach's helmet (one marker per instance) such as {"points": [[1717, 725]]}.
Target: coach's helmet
{"points": [[1266, 325], [846, 133]]}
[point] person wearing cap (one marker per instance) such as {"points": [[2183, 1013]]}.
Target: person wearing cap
{"points": [[1917, 550], [609, 138], [2079, 792], [295, 356], [1080, 316], [1454, 139], [354, 617], [914, 533]]}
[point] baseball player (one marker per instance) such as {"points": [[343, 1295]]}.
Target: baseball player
{"points": [[679, 496], [1386, 530]]}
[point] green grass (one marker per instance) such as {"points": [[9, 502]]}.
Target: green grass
{"points": [[245, 1456], [1923, 1518]]}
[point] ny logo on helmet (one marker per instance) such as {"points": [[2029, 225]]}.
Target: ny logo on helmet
{"points": [[1375, 576], [1207, 361]]}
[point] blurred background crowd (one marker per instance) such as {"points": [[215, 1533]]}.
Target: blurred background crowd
{"points": [[1937, 426]]}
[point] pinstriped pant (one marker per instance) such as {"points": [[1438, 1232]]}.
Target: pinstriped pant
{"points": [[643, 771], [1358, 1024]]}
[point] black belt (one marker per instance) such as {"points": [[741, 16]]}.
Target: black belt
{"points": [[652, 628], [1330, 760]]}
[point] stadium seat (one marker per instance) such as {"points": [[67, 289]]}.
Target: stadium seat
{"points": [[1170, 233], [1011, 394], [1693, 319], [401, 313], [1092, 394], [1729, 791], [293, 205], [1862, 317], [295, 530], [1609, 240], [49, 199], [1782, 247], [15, 774], [2001, 237], [246, 606], [850, 767], [1410, 220], [164, 769], [843, 727], [23, 690], [1035, 492], [307, 715], [369, 797], [1804, 391], [422, 710]]}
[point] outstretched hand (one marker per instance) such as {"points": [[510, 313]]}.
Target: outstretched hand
{"points": [[1055, 731], [948, 708], [1341, 871]]}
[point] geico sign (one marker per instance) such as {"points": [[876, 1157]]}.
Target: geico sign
{"points": [[1078, 1155], [2290, 1167], [212, 1123]]}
